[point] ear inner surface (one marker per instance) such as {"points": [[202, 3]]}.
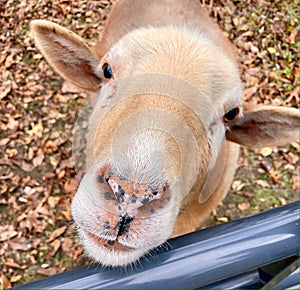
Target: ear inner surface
{"points": [[262, 126], [68, 53]]}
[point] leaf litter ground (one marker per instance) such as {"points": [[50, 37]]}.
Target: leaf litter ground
{"points": [[38, 112]]}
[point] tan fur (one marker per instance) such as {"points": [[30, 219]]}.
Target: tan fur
{"points": [[157, 126], [199, 211], [128, 15]]}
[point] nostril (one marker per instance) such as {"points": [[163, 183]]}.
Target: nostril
{"points": [[145, 199], [124, 224], [100, 178], [109, 196]]}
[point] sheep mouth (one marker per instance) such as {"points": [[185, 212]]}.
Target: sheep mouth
{"points": [[111, 245]]}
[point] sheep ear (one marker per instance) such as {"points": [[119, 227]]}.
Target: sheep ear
{"points": [[262, 126], [69, 54]]}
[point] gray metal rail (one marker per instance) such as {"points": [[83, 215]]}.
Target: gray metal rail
{"points": [[228, 255]]}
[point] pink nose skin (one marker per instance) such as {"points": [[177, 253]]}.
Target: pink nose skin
{"points": [[129, 200], [126, 207], [131, 196]]}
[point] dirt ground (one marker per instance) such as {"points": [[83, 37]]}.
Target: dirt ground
{"points": [[38, 111]]}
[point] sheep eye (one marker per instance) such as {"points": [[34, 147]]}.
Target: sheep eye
{"points": [[231, 115], [107, 71]]}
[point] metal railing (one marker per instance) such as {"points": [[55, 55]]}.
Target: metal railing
{"points": [[231, 255]]}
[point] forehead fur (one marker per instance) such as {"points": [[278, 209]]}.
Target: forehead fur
{"points": [[182, 52]]}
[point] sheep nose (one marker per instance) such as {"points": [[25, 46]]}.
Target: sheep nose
{"points": [[131, 196]]}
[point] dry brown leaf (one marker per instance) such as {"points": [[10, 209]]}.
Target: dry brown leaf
{"points": [[62, 8], [54, 161], [223, 219], [67, 246], [71, 185], [262, 183], [49, 271], [243, 206], [56, 233], [294, 35], [15, 278], [4, 282], [274, 176], [282, 200], [38, 160], [77, 252], [292, 158], [238, 185], [4, 141], [7, 234], [53, 201], [67, 213], [55, 247], [266, 151], [21, 244], [36, 130], [10, 263], [3, 189], [295, 186]]}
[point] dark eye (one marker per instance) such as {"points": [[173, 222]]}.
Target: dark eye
{"points": [[107, 71], [231, 115]]}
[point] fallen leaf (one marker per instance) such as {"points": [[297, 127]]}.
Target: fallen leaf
{"points": [[271, 50], [237, 185], [48, 271], [71, 185], [4, 92], [266, 151], [62, 8], [77, 252], [67, 246], [7, 235], [295, 186], [294, 35], [243, 206], [11, 264], [56, 233], [55, 246], [38, 160], [54, 161], [21, 244], [53, 201], [4, 141], [15, 278], [4, 282], [274, 176], [222, 219], [244, 194], [262, 183], [292, 158], [282, 200], [67, 212], [37, 130]]}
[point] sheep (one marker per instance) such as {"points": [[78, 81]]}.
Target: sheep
{"points": [[164, 134]]}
